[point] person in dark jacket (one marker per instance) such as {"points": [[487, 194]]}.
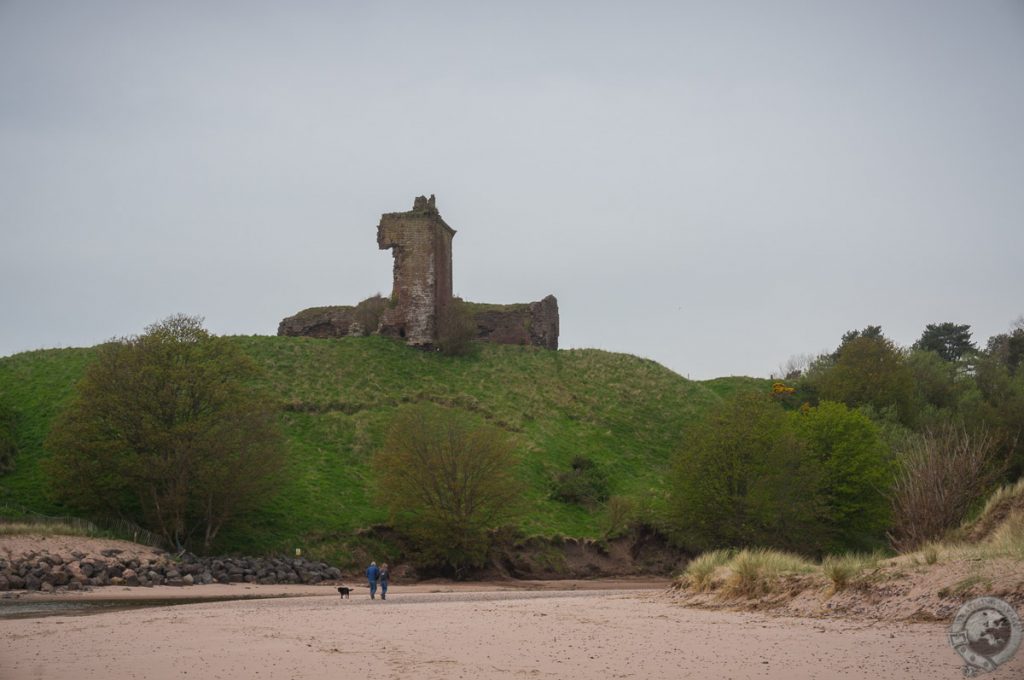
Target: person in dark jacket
{"points": [[385, 576], [372, 574]]}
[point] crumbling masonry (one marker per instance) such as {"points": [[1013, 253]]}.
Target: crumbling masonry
{"points": [[421, 243]]}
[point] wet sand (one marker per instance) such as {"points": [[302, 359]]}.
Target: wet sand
{"points": [[465, 631]]}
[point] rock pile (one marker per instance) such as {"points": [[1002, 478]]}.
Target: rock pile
{"points": [[48, 572]]}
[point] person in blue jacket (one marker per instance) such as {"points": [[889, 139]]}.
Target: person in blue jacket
{"points": [[371, 575], [385, 577]]}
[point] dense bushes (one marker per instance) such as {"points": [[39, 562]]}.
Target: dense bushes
{"points": [[856, 472], [584, 483], [743, 478], [753, 474]]}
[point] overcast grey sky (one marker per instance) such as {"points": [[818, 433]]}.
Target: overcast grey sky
{"points": [[714, 185]]}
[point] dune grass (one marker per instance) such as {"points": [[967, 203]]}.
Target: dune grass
{"points": [[760, 571], [700, 571]]}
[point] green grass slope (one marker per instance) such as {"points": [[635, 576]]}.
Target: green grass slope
{"points": [[337, 396]]}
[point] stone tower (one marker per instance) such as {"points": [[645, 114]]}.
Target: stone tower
{"points": [[421, 243]]}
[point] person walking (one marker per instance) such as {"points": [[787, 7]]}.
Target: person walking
{"points": [[372, 574], [385, 576]]}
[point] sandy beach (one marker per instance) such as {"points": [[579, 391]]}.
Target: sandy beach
{"points": [[462, 631]]}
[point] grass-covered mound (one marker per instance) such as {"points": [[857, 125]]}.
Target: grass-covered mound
{"points": [[626, 414]]}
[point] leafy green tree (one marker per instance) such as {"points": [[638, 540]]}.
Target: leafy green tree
{"points": [[996, 405], [869, 332], [744, 478], [857, 473], [447, 481], [938, 384], [949, 340], [870, 371], [167, 430], [1008, 348]]}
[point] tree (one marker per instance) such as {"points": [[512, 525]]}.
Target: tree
{"points": [[447, 481], [856, 474], [949, 340], [941, 474], [938, 384], [166, 429], [870, 371], [869, 332], [743, 478], [996, 404], [1008, 348]]}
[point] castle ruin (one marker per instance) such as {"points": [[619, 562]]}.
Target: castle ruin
{"points": [[421, 243]]}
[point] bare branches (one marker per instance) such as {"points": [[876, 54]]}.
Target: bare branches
{"points": [[940, 474]]}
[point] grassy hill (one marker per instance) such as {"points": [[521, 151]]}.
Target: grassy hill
{"points": [[626, 413]]}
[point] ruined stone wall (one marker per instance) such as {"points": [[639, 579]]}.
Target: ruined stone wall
{"points": [[321, 322], [533, 323], [422, 246]]}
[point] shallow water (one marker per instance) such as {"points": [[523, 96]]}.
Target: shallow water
{"points": [[34, 609]]}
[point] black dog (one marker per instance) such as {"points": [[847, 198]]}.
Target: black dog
{"points": [[344, 590]]}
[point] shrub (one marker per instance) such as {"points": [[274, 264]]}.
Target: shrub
{"points": [[368, 312], [620, 513], [447, 481], [940, 475], [456, 329], [743, 479], [585, 483]]}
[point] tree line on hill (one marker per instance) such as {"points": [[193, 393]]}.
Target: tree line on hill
{"points": [[870, 445], [866, 446]]}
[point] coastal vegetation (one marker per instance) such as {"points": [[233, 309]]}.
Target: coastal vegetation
{"points": [[858, 452], [335, 400]]}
